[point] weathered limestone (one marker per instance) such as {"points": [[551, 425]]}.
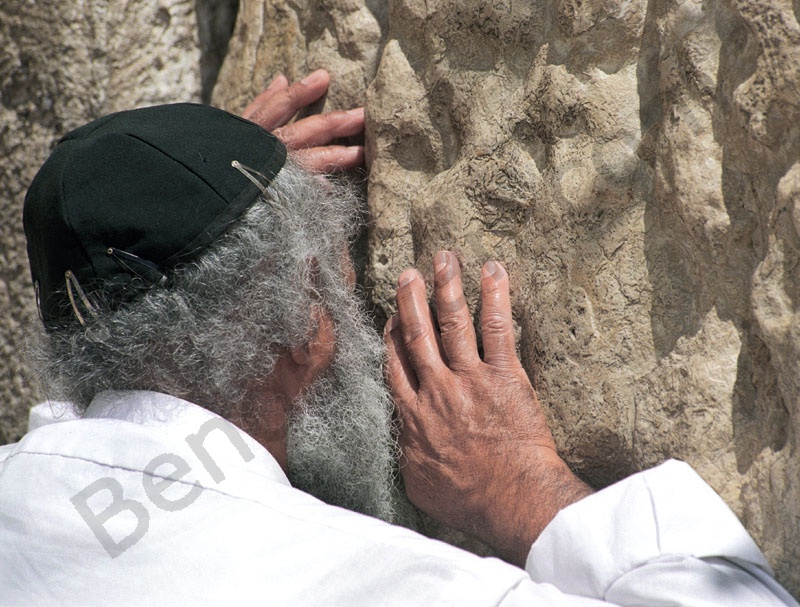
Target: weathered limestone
{"points": [[63, 64], [341, 36], [636, 165]]}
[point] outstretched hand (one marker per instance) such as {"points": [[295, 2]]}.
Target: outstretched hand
{"points": [[477, 452], [309, 139]]}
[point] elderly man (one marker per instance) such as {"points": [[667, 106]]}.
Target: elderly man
{"points": [[235, 443]]}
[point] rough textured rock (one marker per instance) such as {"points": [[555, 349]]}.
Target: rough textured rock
{"points": [[636, 164], [64, 63], [295, 37]]}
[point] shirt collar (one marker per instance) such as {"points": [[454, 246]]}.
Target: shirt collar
{"points": [[181, 418]]}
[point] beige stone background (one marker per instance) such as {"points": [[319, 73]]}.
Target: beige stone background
{"points": [[634, 163]]}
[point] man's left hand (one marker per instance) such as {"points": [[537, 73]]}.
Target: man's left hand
{"points": [[309, 139], [477, 452]]}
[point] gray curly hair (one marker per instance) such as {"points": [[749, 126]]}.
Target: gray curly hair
{"points": [[224, 319], [225, 316]]}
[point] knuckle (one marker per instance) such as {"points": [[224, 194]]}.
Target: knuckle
{"points": [[257, 115], [307, 158], [415, 332], [329, 118], [506, 360], [289, 138], [293, 93], [494, 322], [453, 323]]}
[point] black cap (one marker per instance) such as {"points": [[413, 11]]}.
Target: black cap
{"points": [[124, 199]]}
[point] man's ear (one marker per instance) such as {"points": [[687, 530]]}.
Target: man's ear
{"points": [[317, 352], [300, 354], [321, 332]]}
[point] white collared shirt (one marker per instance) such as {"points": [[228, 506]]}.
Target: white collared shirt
{"points": [[228, 528]]}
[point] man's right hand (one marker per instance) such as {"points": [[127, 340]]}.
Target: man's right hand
{"points": [[309, 139], [477, 452]]}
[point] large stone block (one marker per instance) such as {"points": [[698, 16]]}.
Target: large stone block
{"points": [[636, 165]]}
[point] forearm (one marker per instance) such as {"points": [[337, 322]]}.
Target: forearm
{"points": [[527, 503]]}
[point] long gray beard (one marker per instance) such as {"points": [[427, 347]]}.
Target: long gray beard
{"points": [[340, 443]]}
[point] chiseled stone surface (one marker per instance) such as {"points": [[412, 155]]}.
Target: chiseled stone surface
{"points": [[296, 37], [65, 63], [636, 165]]}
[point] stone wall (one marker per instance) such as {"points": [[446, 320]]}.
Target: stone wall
{"points": [[636, 164]]}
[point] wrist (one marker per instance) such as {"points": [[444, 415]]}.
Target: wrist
{"points": [[525, 502]]}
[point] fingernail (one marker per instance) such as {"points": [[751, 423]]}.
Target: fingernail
{"points": [[313, 77], [391, 324], [275, 81], [359, 111], [440, 261], [406, 277], [493, 269]]}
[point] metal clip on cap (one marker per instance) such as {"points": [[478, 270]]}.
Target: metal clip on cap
{"points": [[72, 283]]}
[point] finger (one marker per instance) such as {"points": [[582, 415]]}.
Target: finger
{"points": [[455, 324], [416, 323], [321, 129], [400, 376], [496, 322], [280, 82], [278, 109], [330, 158]]}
